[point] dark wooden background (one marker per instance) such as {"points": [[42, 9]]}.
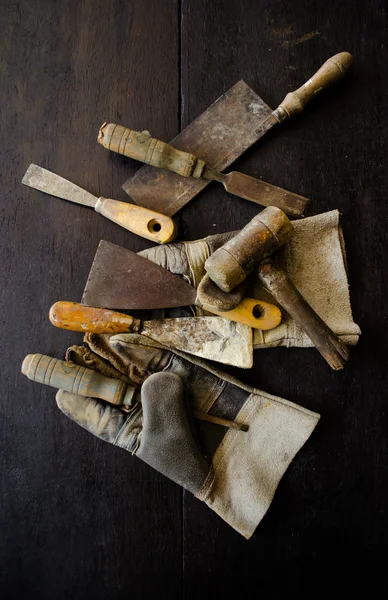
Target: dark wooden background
{"points": [[79, 518]]}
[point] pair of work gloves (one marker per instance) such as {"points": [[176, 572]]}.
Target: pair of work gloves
{"points": [[235, 471]]}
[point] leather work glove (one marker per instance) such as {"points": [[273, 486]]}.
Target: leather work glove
{"points": [[235, 472], [315, 261]]}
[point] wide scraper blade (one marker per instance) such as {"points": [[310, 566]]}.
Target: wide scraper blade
{"points": [[218, 136], [121, 279]]}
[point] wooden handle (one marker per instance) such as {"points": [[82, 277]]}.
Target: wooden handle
{"points": [[149, 224], [254, 313], [330, 72], [277, 282], [76, 317], [146, 149], [231, 264], [76, 379]]}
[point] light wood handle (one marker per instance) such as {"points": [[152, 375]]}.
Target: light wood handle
{"points": [[149, 150], [254, 313], [330, 72], [149, 224], [76, 379], [76, 317]]}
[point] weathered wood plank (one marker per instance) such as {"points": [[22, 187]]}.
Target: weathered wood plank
{"points": [[78, 518], [330, 506]]}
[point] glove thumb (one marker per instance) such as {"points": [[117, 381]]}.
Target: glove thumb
{"points": [[167, 442]]}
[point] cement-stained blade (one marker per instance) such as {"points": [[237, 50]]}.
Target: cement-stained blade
{"points": [[121, 279], [50, 183], [213, 338]]}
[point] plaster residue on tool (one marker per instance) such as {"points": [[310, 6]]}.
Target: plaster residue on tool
{"points": [[224, 132], [121, 279], [142, 221], [208, 337]]}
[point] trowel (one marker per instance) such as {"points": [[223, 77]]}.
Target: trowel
{"points": [[221, 134], [208, 337], [121, 279]]}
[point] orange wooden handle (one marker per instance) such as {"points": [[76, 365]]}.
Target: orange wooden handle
{"points": [[76, 317]]}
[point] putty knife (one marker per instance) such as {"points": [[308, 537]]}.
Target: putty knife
{"points": [[121, 279], [224, 132], [142, 221], [209, 337]]}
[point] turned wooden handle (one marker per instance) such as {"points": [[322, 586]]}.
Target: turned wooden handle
{"points": [[149, 224], [277, 282], [254, 313], [85, 382], [76, 379], [146, 149], [76, 317], [229, 265], [330, 72]]}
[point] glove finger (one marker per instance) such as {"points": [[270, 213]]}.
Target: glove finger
{"points": [[100, 345], [140, 351], [209, 294], [96, 416]]}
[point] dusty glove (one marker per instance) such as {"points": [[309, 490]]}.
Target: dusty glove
{"points": [[236, 472], [314, 259]]}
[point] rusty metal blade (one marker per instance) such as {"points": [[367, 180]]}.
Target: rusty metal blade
{"points": [[121, 279], [213, 338], [263, 193], [55, 185], [218, 136]]}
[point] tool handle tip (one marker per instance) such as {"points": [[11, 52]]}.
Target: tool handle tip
{"points": [[331, 71]]}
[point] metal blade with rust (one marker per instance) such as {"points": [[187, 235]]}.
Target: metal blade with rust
{"points": [[218, 136], [224, 132], [259, 191], [121, 279]]}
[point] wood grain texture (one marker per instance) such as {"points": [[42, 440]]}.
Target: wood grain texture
{"points": [[329, 512], [80, 519]]}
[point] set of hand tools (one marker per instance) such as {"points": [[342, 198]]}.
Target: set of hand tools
{"points": [[121, 280]]}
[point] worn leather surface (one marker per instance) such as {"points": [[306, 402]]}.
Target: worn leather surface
{"points": [[166, 442], [246, 467]]}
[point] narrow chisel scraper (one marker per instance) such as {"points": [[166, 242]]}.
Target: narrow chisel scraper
{"points": [[212, 142]]}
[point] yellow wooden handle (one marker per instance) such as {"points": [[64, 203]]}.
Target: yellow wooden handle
{"points": [[255, 313], [149, 150], [330, 72], [76, 317], [149, 224]]}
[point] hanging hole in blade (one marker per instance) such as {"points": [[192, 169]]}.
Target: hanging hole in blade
{"points": [[154, 226]]}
